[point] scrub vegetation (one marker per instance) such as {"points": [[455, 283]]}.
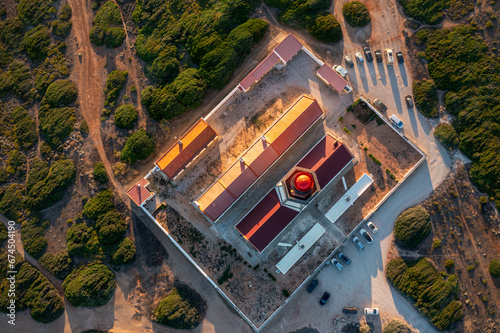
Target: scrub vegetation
{"points": [[182, 308], [59, 264], [138, 147], [310, 15], [433, 11], [425, 95], [447, 135], [191, 46], [356, 14], [396, 326], [461, 63], [412, 226], [107, 27], [435, 296], [126, 116], [33, 291]]}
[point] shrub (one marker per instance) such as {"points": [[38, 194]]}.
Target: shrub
{"points": [[104, 30], [452, 102], [24, 128], [427, 11], [285, 293], [435, 297], [436, 244], [51, 189], [66, 13], [470, 268], [449, 264], [61, 28], [226, 275], [123, 252], [412, 226], [89, 286], [61, 92], [56, 124], [447, 135], [494, 268], [182, 308], [38, 172], [189, 88], [33, 291], [126, 116], [33, 240], [166, 66], [326, 28], [82, 241], [217, 67], [396, 326], [33, 12], [99, 205], [114, 83], [59, 264], [84, 127], [36, 42], [138, 147], [161, 103], [3, 233], [374, 159], [425, 95], [356, 14], [110, 227], [11, 201], [21, 79], [100, 174]]}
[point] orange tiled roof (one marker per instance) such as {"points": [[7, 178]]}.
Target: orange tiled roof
{"points": [[139, 193]]}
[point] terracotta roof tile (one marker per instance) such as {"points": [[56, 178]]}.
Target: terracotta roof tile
{"points": [[139, 193], [332, 77], [288, 47]]}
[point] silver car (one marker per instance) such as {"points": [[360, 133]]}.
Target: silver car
{"points": [[358, 243], [337, 264]]}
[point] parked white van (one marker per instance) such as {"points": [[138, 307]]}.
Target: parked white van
{"points": [[389, 56], [396, 121]]}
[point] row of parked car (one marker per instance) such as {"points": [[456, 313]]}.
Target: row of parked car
{"points": [[388, 55]]}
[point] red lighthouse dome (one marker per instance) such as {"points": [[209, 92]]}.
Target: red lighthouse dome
{"points": [[303, 182]]}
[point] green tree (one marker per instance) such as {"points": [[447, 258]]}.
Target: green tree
{"points": [[100, 174], [356, 14], [326, 28], [189, 88], [425, 94], [111, 227], [36, 42], [180, 309], [412, 226], [61, 92], [126, 116], [495, 268], [138, 147], [99, 205]]}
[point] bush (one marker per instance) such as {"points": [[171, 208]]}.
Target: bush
{"points": [[89, 286], [82, 241], [33, 291], [24, 128], [61, 28], [21, 80], [447, 135], [66, 13], [216, 68], [99, 205], [161, 103], [33, 240], [226, 275], [449, 264], [52, 188], [126, 116], [114, 83], [110, 227], [495, 268], [326, 28], [104, 30], [182, 308], [100, 174], [412, 226], [452, 102], [3, 233], [59, 264], [166, 66], [34, 12], [138, 147], [11, 201], [396, 326], [356, 14], [425, 95], [426, 11], [435, 297], [189, 88], [123, 252], [56, 124], [61, 92], [36, 42]]}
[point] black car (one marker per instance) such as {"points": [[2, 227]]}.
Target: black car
{"points": [[368, 54], [366, 236], [399, 56], [324, 298], [378, 55], [350, 310], [344, 258], [312, 285]]}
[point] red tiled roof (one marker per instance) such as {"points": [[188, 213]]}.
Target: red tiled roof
{"points": [[139, 193], [288, 47], [193, 141], [332, 77], [215, 201], [259, 71], [265, 221], [326, 159], [237, 178]]}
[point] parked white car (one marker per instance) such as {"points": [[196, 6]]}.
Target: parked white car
{"points": [[396, 121], [341, 70], [359, 57], [371, 311], [389, 56], [372, 227], [337, 264]]}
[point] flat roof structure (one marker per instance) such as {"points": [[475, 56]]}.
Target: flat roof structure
{"points": [[328, 157], [259, 157], [189, 146], [300, 248], [288, 48], [139, 192], [331, 77], [265, 221], [349, 198]]}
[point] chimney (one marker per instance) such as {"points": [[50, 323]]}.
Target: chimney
{"points": [[180, 143]]}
